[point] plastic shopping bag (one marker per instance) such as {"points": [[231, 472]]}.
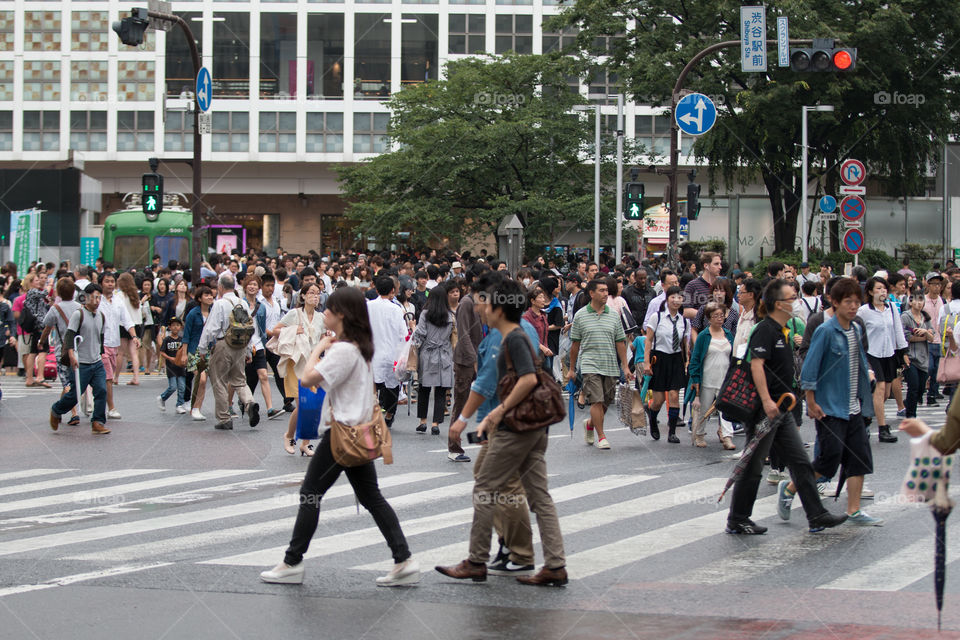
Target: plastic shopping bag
{"points": [[309, 410]]}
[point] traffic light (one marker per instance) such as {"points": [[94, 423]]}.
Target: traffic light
{"points": [[823, 57], [152, 197], [633, 201], [693, 201], [131, 29]]}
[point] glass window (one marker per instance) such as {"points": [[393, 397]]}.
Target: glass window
{"points": [[135, 131], [325, 55], [6, 79], [41, 130], [180, 77], [324, 133], [653, 132], [135, 80], [514, 33], [88, 130], [514, 1], [468, 1], [418, 48], [41, 31], [278, 55], [278, 131], [370, 132], [6, 130], [178, 131], [603, 84], [559, 41], [41, 80], [468, 33], [231, 131], [88, 80], [172, 248], [7, 32], [372, 55], [231, 55], [131, 251], [89, 30]]}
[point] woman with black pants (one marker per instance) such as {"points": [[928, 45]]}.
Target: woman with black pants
{"points": [[433, 338], [345, 374]]}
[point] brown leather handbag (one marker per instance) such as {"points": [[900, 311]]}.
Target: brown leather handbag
{"points": [[355, 446], [542, 407]]}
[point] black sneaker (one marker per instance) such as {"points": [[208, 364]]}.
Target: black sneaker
{"points": [[503, 554], [932, 403], [745, 527], [288, 407], [508, 568], [422, 428], [885, 435], [434, 431], [825, 520], [224, 426], [253, 412]]}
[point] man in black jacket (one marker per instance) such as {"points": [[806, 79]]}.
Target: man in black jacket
{"points": [[639, 294]]}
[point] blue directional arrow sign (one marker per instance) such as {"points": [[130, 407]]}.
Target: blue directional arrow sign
{"points": [[695, 114], [828, 204], [204, 89]]}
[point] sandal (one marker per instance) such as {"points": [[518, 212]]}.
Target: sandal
{"points": [[74, 421], [133, 384], [290, 445], [42, 385]]}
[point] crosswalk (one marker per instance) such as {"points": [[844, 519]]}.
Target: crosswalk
{"points": [[615, 526]]}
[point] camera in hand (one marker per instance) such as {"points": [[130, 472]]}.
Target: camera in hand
{"points": [[473, 438]]}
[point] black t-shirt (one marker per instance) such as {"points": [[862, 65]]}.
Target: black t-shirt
{"points": [[769, 343], [554, 317], [517, 344], [170, 346]]}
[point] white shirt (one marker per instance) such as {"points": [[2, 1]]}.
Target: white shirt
{"points": [[664, 331], [805, 306], [950, 307], [654, 307], [115, 315], [431, 284], [273, 311], [348, 381], [389, 333], [884, 330], [219, 320]]}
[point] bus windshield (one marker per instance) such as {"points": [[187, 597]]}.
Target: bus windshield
{"points": [[131, 251], [172, 248]]}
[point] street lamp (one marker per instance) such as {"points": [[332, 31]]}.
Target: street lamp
{"points": [[803, 176], [619, 98], [596, 176]]}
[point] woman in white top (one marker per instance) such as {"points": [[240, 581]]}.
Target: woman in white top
{"points": [[349, 278], [309, 322], [128, 349], [346, 376], [885, 339]]}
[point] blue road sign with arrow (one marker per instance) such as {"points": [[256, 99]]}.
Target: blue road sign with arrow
{"points": [[204, 89], [696, 114], [828, 204]]}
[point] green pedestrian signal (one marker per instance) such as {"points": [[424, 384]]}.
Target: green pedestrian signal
{"points": [[152, 196], [633, 200]]}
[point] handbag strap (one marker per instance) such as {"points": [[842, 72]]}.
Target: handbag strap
{"points": [[533, 353]]}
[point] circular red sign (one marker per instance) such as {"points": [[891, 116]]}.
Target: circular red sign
{"points": [[852, 208], [852, 172], [853, 241]]}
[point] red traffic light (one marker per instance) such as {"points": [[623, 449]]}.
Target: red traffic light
{"points": [[842, 60]]}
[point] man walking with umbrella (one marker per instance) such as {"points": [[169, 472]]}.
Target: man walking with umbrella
{"points": [[771, 365]]}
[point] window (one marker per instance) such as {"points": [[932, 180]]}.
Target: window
{"points": [[278, 131], [88, 80], [41, 80], [178, 64], [178, 131], [6, 30], [231, 56], [370, 132], [554, 41], [89, 31], [325, 55], [514, 33], [514, 1], [172, 248], [135, 131], [131, 251], [372, 55], [135, 80], [278, 55], [324, 133], [603, 84], [88, 130], [418, 48], [468, 33], [653, 132], [41, 130], [468, 1], [6, 79], [6, 130], [231, 131], [41, 31], [604, 45]]}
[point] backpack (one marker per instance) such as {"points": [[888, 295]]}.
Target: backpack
{"points": [[27, 321], [240, 330]]}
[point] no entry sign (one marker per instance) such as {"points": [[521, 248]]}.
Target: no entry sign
{"points": [[852, 172]]}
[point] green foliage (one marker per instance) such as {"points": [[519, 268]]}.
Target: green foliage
{"points": [[691, 250], [496, 137], [902, 48], [872, 259]]}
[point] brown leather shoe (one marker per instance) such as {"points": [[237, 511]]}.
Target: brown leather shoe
{"points": [[464, 570], [546, 578], [98, 429], [54, 421]]}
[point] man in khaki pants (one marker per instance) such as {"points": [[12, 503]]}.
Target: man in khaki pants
{"points": [[227, 363]]}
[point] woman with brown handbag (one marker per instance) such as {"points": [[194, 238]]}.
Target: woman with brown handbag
{"points": [[347, 378]]}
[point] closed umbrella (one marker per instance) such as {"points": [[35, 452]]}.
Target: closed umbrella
{"points": [[765, 427], [76, 372], [941, 508], [572, 390]]}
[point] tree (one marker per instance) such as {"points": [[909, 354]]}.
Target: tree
{"points": [[893, 112], [496, 137]]}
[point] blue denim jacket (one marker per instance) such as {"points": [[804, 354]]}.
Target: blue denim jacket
{"points": [[192, 328], [825, 370], [487, 378]]}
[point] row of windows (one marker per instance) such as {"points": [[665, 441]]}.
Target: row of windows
{"points": [[231, 131]]}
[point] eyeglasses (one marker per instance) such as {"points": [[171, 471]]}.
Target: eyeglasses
{"points": [[790, 299]]}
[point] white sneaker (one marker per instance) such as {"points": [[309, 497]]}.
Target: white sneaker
{"points": [[196, 415], [407, 572], [113, 414], [867, 494], [587, 433], [181, 408], [603, 444], [827, 489], [84, 404], [284, 574], [161, 403], [774, 477]]}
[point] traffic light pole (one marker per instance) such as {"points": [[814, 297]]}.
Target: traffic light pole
{"points": [[675, 131], [195, 208], [619, 255]]}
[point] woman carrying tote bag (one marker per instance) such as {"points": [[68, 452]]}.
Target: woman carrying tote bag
{"points": [[346, 376]]}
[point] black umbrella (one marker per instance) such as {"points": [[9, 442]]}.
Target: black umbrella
{"points": [[941, 507]]}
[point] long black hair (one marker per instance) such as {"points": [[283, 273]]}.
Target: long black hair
{"points": [[350, 303], [437, 309]]}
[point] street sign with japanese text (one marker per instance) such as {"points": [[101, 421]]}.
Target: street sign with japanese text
{"points": [[783, 42], [753, 39]]}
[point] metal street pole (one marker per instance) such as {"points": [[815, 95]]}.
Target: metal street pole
{"points": [[805, 230], [619, 255], [596, 185]]}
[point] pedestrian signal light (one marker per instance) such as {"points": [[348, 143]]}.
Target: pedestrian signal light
{"points": [[633, 201], [152, 196]]}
